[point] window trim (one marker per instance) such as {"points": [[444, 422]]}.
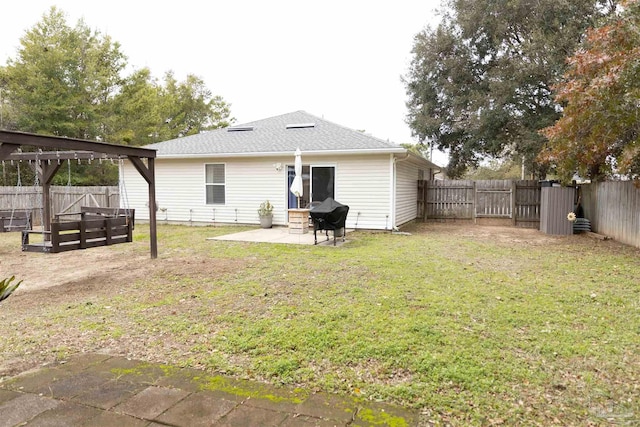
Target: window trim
{"points": [[207, 184]]}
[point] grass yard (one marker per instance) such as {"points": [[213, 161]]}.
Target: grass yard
{"points": [[474, 326]]}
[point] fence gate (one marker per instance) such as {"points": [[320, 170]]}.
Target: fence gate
{"points": [[517, 202], [494, 199]]}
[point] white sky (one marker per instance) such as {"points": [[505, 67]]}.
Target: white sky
{"points": [[337, 59]]}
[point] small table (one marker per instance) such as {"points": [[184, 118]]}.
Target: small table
{"points": [[298, 221]]}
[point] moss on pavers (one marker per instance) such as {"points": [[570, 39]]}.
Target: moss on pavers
{"points": [[253, 390], [225, 387], [316, 408], [356, 411], [181, 396], [136, 371], [328, 406], [380, 414]]}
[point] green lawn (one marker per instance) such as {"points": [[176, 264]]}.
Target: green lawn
{"points": [[472, 329]]}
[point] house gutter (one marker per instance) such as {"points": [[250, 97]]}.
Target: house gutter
{"points": [[392, 151]]}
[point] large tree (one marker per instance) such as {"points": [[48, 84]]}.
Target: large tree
{"points": [[190, 107], [598, 134], [62, 78], [480, 84], [147, 110], [69, 81]]}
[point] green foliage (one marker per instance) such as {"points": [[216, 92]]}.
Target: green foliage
{"points": [[62, 78], [6, 288], [69, 81], [480, 84], [148, 111], [420, 149], [599, 133], [496, 169], [265, 209]]}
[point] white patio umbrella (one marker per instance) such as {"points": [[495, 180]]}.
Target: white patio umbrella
{"points": [[296, 186]]}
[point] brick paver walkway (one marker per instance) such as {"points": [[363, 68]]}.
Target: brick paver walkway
{"points": [[100, 390]]}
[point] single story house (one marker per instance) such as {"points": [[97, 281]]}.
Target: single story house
{"points": [[222, 176]]}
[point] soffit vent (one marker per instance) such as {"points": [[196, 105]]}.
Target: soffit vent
{"points": [[239, 128], [301, 125]]}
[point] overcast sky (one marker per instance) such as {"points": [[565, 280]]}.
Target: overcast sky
{"points": [[341, 60]]}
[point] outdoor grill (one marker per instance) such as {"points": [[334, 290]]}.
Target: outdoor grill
{"points": [[329, 215]]}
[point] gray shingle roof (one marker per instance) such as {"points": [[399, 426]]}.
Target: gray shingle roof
{"points": [[272, 136]]}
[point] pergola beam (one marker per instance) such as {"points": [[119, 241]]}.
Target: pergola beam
{"points": [[45, 141]]}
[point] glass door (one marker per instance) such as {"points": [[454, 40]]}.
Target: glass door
{"points": [[322, 183]]}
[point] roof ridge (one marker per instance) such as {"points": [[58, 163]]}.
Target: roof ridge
{"points": [[329, 122]]}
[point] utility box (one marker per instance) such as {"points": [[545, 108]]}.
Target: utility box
{"points": [[555, 205]]}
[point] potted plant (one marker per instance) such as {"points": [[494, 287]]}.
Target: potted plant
{"points": [[265, 212]]}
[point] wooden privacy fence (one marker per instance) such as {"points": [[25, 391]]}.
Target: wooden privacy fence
{"points": [[613, 209], [515, 201], [64, 199]]}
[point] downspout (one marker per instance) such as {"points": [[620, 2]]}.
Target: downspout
{"points": [[394, 182]]}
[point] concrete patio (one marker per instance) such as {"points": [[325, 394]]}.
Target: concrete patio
{"points": [[280, 235]]}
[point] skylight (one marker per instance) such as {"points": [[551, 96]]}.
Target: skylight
{"points": [[301, 125], [239, 128]]}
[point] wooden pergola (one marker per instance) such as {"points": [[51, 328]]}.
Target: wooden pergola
{"points": [[47, 164]]}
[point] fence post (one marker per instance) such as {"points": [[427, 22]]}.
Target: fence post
{"points": [[475, 202], [425, 190], [82, 225], [425, 193], [108, 196], [514, 190]]}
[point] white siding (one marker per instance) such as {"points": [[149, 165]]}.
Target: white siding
{"points": [[406, 192], [362, 182]]}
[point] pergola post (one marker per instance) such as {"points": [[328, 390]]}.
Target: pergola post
{"points": [[46, 172], [148, 173], [152, 208]]}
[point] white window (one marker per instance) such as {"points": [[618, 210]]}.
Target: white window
{"points": [[215, 183]]}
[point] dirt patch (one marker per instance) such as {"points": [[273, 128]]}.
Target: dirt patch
{"points": [[500, 234]]}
